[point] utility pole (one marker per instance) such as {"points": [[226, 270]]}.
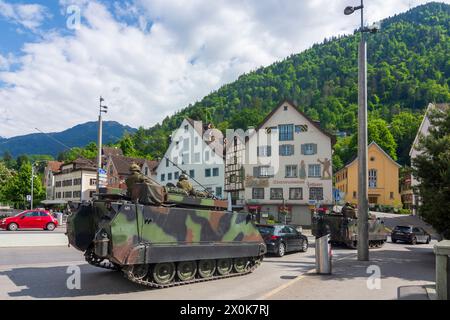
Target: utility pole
{"points": [[32, 185], [363, 201], [102, 109]]}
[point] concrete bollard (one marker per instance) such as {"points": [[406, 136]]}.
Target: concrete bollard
{"points": [[442, 252]]}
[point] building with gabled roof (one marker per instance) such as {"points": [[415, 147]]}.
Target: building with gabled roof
{"points": [[281, 169], [197, 150], [383, 179], [118, 169]]}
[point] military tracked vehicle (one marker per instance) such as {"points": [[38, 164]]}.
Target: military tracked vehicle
{"points": [[161, 238], [343, 227]]}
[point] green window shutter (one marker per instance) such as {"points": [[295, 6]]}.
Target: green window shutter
{"points": [[303, 149], [256, 171], [315, 148]]}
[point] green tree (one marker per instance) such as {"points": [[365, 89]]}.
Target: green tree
{"points": [[19, 186], [378, 131], [432, 169], [404, 127]]}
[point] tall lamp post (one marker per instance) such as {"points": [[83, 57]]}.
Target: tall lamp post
{"points": [[102, 109], [363, 202]]}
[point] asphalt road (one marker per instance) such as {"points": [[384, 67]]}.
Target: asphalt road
{"points": [[41, 273]]}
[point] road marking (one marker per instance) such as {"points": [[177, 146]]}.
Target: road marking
{"points": [[300, 277]]}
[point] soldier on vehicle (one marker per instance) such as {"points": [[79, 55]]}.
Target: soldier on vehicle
{"points": [[136, 177], [183, 183]]}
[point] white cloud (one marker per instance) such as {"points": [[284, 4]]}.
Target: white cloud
{"points": [[30, 16], [173, 54]]}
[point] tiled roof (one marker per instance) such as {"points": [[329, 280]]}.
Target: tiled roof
{"points": [[110, 151], [122, 164], [54, 166]]}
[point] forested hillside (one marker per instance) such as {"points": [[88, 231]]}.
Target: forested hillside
{"points": [[409, 67]]}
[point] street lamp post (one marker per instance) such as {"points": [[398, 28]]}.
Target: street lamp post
{"points": [[363, 202], [102, 109]]}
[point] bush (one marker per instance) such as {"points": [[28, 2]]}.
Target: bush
{"points": [[404, 211]]}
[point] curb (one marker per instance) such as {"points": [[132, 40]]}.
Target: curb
{"points": [[33, 240]]}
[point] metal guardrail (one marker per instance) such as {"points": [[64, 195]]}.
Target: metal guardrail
{"points": [[442, 252]]}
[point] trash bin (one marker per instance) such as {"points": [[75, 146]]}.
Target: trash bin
{"points": [[323, 255]]}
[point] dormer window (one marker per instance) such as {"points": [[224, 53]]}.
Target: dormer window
{"points": [[285, 108]]}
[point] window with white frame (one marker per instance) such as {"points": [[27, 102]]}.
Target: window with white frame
{"points": [[186, 144], [258, 193], [296, 194], [197, 157], [185, 158], [286, 150], [309, 149], [286, 132], [264, 172], [291, 171], [316, 193], [264, 151], [314, 171], [372, 178], [276, 194]]}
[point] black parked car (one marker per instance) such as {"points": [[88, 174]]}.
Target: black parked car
{"points": [[410, 234], [281, 238]]}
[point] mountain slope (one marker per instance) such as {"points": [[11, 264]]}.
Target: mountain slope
{"points": [[408, 68], [78, 136]]}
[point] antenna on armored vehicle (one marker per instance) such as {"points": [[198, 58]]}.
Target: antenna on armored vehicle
{"points": [[193, 179]]}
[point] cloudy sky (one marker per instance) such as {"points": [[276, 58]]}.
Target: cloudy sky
{"points": [[148, 58]]}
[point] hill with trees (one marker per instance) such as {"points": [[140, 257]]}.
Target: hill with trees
{"points": [[408, 67]]}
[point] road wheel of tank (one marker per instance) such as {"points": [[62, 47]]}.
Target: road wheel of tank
{"points": [[140, 271], [186, 270], [224, 266], [206, 268], [240, 265], [13, 227], [281, 249], [163, 273]]}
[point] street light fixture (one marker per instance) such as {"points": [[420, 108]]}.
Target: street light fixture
{"points": [[363, 201]]}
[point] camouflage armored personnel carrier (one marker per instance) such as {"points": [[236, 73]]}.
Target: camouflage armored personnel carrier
{"points": [[161, 239], [343, 228]]}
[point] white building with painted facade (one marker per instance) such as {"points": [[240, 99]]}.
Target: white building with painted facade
{"points": [[283, 168], [196, 150]]}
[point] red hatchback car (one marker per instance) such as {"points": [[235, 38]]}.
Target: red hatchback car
{"points": [[30, 219]]}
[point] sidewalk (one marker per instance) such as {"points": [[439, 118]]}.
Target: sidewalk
{"points": [[405, 272], [33, 239]]}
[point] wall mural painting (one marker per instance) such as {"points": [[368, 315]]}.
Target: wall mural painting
{"points": [[252, 182], [326, 165], [302, 170]]}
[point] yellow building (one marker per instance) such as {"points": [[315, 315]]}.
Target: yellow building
{"points": [[383, 179]]}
